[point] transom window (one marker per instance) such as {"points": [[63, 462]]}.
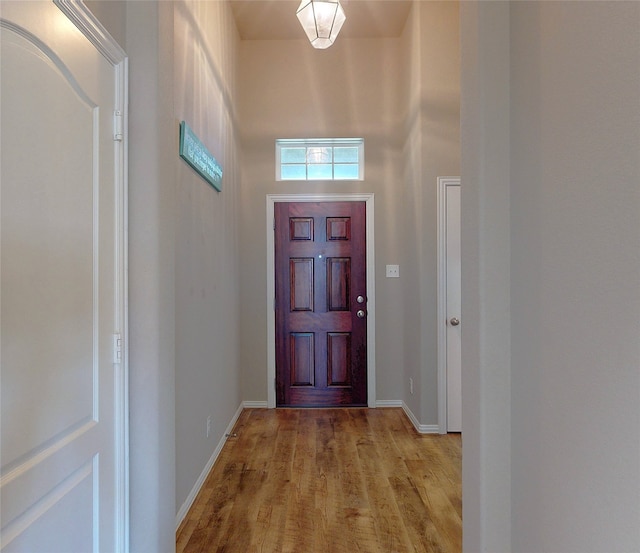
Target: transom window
{"points": [[320, 159]]}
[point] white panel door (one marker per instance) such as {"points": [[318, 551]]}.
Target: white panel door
{"points": [[61, 288], [453, 308]]}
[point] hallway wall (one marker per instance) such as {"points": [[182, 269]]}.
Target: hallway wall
{"points": [[551, 235], [206, 258], [431, 148], [152, 345], [575, 269]]}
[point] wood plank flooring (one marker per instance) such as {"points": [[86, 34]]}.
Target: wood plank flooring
{"points": [[329, 481]]}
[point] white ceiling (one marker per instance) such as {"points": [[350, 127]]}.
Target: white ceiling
{"points": [[276, 19]]}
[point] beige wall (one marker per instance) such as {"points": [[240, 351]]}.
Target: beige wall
{"points": [[551, 166], [399, 101], [486, 348], [575, 269], [152, 306], [431, 148], [206, 258]]}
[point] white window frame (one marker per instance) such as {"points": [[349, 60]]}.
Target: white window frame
{"points": [[320, 142]]}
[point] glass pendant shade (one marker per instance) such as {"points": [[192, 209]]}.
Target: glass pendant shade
{"points": [[321, 20]]}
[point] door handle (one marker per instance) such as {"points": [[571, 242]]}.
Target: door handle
{"points": [[360, 313], [454, 321]]}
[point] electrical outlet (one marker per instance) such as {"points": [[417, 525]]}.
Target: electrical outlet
{"points": [[208, 425], [411, 386], [393, 271]]}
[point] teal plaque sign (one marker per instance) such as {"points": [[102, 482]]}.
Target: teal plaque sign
{"points": [[195, 153]]}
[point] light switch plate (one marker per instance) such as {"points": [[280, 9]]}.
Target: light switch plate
{"points": [[393, 271]]}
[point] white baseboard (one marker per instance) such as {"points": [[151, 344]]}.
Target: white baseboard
{"points": [[421, 428], [389, 403], [207, 469], [255, 404]]}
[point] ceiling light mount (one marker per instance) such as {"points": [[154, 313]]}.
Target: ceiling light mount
{"points": [[321, 21]]}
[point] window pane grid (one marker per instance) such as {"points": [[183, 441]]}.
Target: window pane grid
{"points": [[310, 160], [346, 155], [293, 155]]}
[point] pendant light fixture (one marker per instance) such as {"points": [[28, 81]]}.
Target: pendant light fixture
{"points": [[321, 20]]}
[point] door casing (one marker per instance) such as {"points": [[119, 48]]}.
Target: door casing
{"points": [[368, 198]]}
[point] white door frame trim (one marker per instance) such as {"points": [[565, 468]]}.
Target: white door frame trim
{"points": [[368, 198], [443, 182], [94, 31]]}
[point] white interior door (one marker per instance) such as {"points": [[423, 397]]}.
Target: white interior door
{"points": [[62, 293], [453, 308]]}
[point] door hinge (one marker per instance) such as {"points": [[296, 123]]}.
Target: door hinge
{"points": [[117, 349], [118, 126]]}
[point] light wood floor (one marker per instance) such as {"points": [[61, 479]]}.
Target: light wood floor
{"points": [[329, 481]]}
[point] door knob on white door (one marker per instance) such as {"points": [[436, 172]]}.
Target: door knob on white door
{"points": [[454, 321]]}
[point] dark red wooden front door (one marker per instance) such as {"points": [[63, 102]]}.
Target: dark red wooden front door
{"points": [[321, 324]]}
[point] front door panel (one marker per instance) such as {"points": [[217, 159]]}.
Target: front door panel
{"points": [[321, 340]]}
